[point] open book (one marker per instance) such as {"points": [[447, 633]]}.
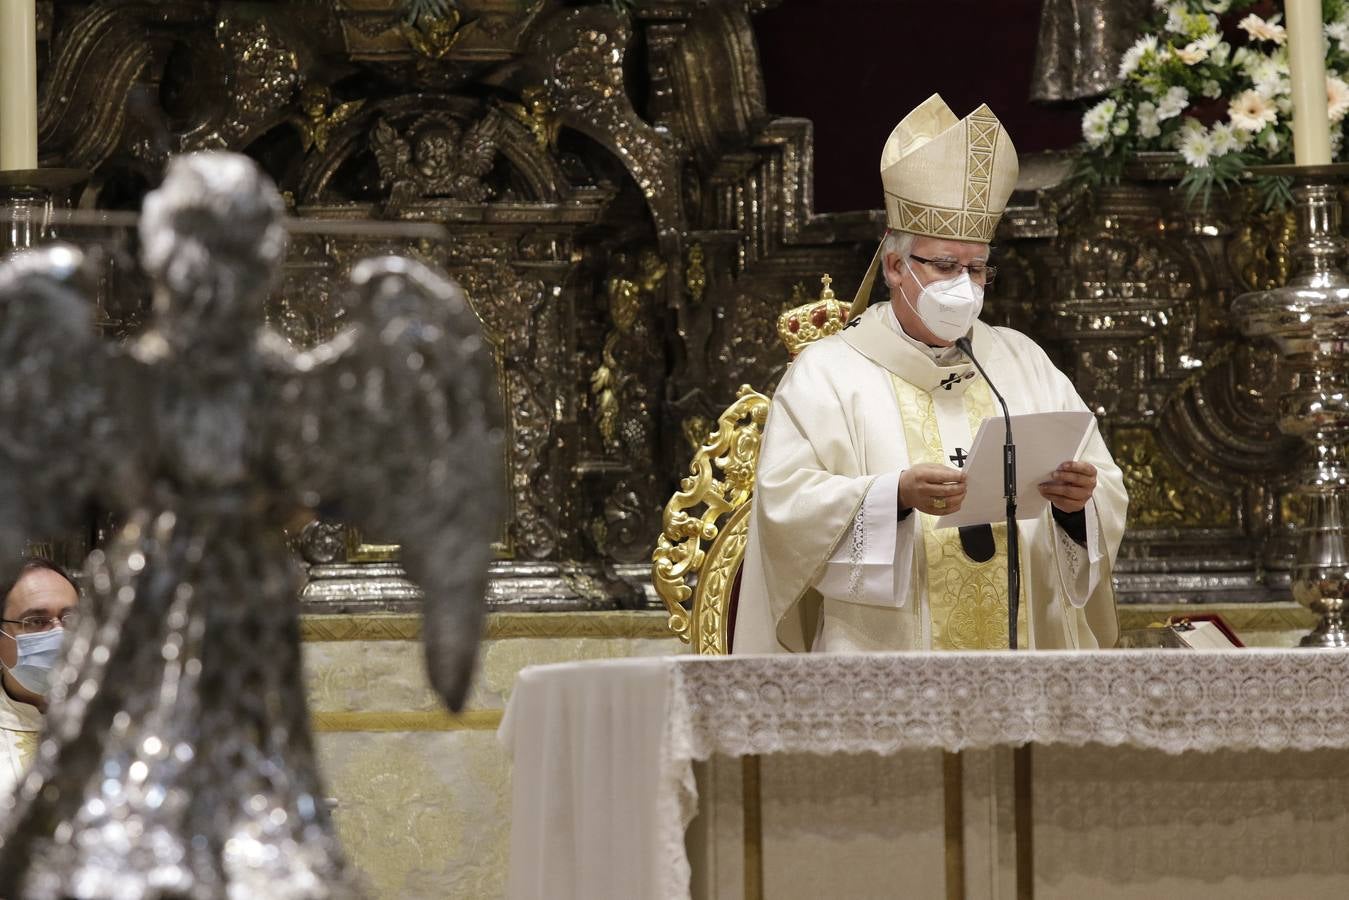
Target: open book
{"points": [[1202, 631]]}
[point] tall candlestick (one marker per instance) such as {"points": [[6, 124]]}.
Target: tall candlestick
{"points": [[18, 84], [1307, 70]]}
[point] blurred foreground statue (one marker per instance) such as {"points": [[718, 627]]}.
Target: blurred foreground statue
{"points": [[177, 760]]}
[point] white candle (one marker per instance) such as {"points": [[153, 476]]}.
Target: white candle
{"points": [[1307, 70], [18, 84]]}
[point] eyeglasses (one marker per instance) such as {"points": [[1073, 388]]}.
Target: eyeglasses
{"points": [[34, 624], [950, 268]]}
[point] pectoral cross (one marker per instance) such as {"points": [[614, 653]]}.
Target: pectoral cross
{"points": [[949, 381], [959, 457]]}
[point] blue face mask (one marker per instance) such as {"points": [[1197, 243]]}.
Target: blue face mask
{"points": [[38, 655]]}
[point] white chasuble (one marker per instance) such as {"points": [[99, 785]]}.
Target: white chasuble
{"points": [[829, 566], [20, 724]]}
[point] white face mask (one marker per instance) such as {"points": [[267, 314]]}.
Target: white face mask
{"points": [[38, 656], [948, 308]]}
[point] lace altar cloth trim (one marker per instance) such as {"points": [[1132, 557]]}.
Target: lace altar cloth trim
{"points": [[1174, 701], [1170, 700]]}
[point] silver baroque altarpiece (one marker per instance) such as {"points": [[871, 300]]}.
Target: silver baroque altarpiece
{"points": [[627, 220]]}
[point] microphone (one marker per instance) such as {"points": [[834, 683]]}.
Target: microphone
{"points": [[1009, 491]]}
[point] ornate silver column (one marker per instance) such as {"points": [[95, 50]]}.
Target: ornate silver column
{"points": [[1308, 321]]}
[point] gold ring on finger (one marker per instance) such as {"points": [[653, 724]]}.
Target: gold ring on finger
{"points": [[938, 503]]}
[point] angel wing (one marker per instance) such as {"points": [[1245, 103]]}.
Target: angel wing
{"points": [[56, 425], [392, 154], [396, 423], [478, 146]]}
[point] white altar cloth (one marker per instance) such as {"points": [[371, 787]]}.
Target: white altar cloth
{"points": [[603, 752]]}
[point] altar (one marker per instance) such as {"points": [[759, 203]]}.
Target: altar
{"points": [[1109, 774]]}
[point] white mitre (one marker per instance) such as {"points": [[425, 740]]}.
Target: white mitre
{"points": [[944, 177]]}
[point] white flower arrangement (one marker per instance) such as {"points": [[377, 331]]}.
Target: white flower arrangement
{"points": [[1209, 79]]}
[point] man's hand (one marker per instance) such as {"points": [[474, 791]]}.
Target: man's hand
{"points": [[1070, 487], [933, 489]]}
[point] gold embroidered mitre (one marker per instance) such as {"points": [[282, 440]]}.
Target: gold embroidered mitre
{"points": [[946, 177]]}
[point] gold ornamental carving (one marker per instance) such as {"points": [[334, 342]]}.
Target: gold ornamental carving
{"points": [[1261, 251], [534, 112], [433, 36], [321, 118], [614, 380], [694, 539], [1161, 494], [695, 274], [716, 584]]}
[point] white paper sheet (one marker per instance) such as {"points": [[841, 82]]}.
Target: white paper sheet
{"points": [[1043, 440]]}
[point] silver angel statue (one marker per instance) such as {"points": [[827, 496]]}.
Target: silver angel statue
{"points": [[177, 759]]}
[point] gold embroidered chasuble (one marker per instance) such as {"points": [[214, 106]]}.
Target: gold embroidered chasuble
{"points": [[835, 430], [967, 600]]}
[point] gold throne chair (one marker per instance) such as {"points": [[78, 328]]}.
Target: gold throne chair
{"points": [[696, 565]]}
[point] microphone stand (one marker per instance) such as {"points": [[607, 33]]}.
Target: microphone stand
{"points": [[1009, 491]]}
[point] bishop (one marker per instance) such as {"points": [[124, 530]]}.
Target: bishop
{"points": [[868, 427]]}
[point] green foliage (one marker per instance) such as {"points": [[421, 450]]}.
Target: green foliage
{"points": [[1223, 173]]}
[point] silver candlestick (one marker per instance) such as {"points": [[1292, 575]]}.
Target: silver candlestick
{"points": [[27, 197], [1308, 321]]}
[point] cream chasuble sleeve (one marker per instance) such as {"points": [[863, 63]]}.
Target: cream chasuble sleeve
{"points": [[874, 563], [810, 488], [1080, 567]]}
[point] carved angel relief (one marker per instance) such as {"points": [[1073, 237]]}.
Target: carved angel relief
{"points": [[436, 157], [434, 34], [319, 122]]}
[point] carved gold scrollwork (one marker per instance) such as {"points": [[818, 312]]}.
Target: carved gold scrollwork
{"points": [[697, 553], [1161, 493], [712, 597]]}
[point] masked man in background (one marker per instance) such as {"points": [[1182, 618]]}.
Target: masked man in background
{"points": [[38, 608], [869, 428]]}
